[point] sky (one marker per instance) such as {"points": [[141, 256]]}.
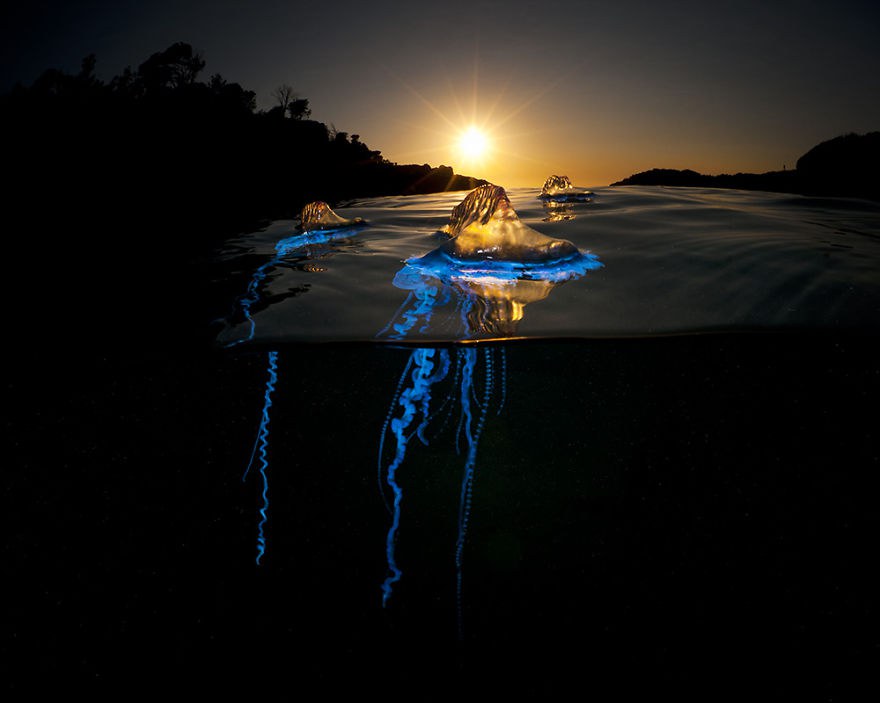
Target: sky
{"points": [[593, 90]]}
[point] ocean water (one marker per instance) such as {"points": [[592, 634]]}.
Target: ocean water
{"points": [[656, 475], [651, 474], [675, 260]]}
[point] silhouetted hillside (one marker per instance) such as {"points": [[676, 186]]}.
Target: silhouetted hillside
{"points": [[118, 190], [158, 142], [845, 166]]}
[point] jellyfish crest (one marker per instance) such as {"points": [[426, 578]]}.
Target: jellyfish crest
{"points": [[560, 189], [477, 208], [554, 184], [317, 215], [485, 227]]}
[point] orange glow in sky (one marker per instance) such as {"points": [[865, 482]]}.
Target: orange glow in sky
{"points": [[593, 91]]}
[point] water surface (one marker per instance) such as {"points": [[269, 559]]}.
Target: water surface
{"points": [[675, 260]]}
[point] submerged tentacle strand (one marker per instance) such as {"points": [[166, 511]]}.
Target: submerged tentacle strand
{"points": [[467, 484], [439, 375], [251, 298], [410, 400], [263, 442], [450, 398], [503, 353], [384, 431]]}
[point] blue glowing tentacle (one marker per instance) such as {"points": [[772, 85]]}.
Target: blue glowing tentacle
{"points": [[439, 375], [423, 309], [263, 441], [448, 413], [450, 397], [487, 381], [466, 307], [503, 376], [459, 302], [250, 463], [251, 297], [474, 397], [263, 431], [409, 398], [490, 367], [402, 307], [467, 370], [467, 483], [385, 431]]}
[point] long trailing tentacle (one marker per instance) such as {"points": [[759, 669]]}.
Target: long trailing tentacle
{"points": [[450, 398], [503, 378], [262, 445], [410, 399], [251, 298], [467, 483], [467, 378], [437, 376], [424, 369], [391, 408], [423, 310], [403, 306]]}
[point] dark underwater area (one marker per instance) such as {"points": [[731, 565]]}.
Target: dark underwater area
{"points": [[688, 516]]}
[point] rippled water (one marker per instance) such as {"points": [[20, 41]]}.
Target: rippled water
{"points": [[619, 504], [674, 260]]}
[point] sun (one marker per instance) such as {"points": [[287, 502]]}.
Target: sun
{"points": [[473, 144]]}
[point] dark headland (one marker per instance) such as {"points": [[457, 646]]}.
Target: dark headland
{"points": [[846, 166], [162, 142], [119, 191]]}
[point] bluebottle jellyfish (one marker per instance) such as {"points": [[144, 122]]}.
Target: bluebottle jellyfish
{"points": [[480, 282], [559, 189], [318, 216], [319, 225], [472, 289], [559, 196]]}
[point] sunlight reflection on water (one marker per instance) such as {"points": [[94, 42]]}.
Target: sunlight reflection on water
{"points": [[676, 260]]}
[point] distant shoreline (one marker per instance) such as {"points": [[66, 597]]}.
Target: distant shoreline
{"points": [[846, 166]]}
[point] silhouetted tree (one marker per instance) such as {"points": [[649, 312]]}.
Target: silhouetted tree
{"points": [[284, 94], [87, 70], [127, 83], [51, 83], [232, 93], [173, 68], [299, 109], [289, 104]]}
